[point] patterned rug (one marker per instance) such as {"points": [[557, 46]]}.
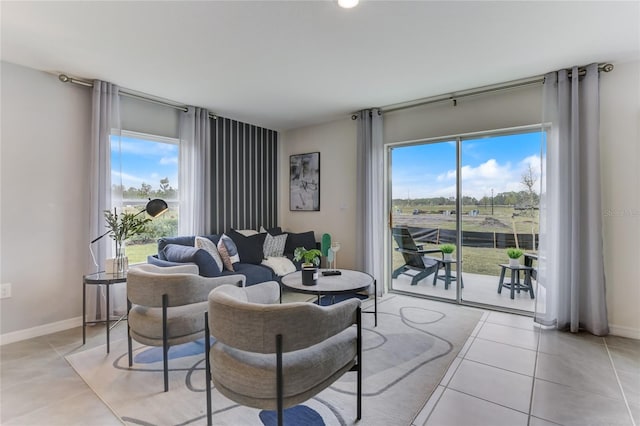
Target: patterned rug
{"points": [[404, 359]]}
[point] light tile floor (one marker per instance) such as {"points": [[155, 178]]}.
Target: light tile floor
{"points": [[508, 373]]}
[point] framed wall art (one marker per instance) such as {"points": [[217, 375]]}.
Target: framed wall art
{"points": [[304, 182]]}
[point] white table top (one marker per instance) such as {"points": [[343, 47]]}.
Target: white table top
{"points": [[349, 282]]}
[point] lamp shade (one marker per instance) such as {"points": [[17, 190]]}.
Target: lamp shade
{"points": [[156, 207]]}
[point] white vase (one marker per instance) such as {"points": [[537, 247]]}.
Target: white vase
{"points": [[447, 256], [514, 263]]}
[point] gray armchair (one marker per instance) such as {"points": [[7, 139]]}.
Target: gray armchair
{"points": [[279, 355], [166, 306]]}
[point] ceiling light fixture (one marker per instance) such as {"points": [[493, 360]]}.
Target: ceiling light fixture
{"points": [[348, 4]]}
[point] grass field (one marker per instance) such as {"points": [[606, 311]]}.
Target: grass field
{"points": [[474, 259], [503, 219], [137, 253], [477, 260]]}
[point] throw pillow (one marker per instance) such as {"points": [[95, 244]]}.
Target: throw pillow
{"points": [[303, 239], [246, 232], [249, 248], [274, 245], [273, 231], [207, 267], [228, 252], [208, 245]]}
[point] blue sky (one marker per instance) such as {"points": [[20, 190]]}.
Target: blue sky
{"points": [[497, 162], [144, 161]]}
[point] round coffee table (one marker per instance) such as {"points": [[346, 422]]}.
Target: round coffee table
{"points": [[348, 282]]}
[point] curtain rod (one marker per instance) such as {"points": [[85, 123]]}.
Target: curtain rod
{"points": [[454, 96], [131, 94]]}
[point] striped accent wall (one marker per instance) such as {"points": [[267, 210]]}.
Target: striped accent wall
{"points": [[244, 172]]}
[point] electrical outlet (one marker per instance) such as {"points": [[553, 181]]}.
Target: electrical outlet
{"points": [[5, 290]]}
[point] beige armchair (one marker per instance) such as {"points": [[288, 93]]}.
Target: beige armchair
{"points": [[166, 306], [308, 347]]}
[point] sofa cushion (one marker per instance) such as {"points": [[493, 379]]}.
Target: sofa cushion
{"points": [[303, 239], [183, 241], [228, 252], [183, 254], [274, 245], [250, 249], [254, 274], [208, 245]]}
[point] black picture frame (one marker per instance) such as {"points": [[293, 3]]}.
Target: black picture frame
{"points": [[304, 182]]}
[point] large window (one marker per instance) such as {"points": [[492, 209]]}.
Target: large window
{"points": [[142, 167]]}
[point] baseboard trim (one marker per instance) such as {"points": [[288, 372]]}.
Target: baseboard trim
{"points": [[41, 330], [622, 331]]}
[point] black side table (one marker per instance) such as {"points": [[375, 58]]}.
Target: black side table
{"points": [[448, 276], [515, 284], [107, 280]]}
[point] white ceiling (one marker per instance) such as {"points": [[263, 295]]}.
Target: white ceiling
{"points": [[288, 64]]}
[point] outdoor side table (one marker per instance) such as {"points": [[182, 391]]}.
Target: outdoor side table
{"points": [[107, 280], [515, 284], [448, 276]]}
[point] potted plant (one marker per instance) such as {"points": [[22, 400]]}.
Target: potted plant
{"points": [[447, 250], [514, 254], [310, 261], [123, 226]]}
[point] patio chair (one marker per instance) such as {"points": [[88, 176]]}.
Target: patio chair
{"points": [[414, 257]]}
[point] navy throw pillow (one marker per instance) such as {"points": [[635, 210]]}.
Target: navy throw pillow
{"points": [[303, 239], [184, 254], [250, 249]]}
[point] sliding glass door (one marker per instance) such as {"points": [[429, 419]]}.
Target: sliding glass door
{"points": [[477, 195], [423, 203]]}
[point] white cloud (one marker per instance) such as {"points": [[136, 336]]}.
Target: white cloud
{"points": [[476, 181], [127, 179], [169, 160]]}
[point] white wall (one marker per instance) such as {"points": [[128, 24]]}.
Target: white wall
{"points": [[44, 192], [620, 112], [620, 161], [44, 195], [336, 143]]}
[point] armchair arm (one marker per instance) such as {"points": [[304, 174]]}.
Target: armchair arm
{"points": [[187, 268], [146, 288], [253, 327]]}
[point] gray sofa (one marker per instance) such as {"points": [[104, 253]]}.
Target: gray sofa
{"points": [[174, 251]]}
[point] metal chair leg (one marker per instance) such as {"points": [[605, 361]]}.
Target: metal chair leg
{"points": [[129, 348], [279, 380], [207, 350], [165, 342], [359, 371]]}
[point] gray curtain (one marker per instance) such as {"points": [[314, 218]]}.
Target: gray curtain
{"points": [[105, 121], [105, 125], [370, 195], [571, 282], [195, 172]]}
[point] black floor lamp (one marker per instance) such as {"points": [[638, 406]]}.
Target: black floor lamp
{"points": [[154, 208]]}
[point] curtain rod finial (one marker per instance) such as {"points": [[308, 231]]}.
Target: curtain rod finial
{"points": [[64, 78], [607, 67]]}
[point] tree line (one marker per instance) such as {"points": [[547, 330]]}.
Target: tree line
{"points": [[512, 198], [146, 191]]}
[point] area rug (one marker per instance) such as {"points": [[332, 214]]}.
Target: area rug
{"points": [[404, 359]]}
